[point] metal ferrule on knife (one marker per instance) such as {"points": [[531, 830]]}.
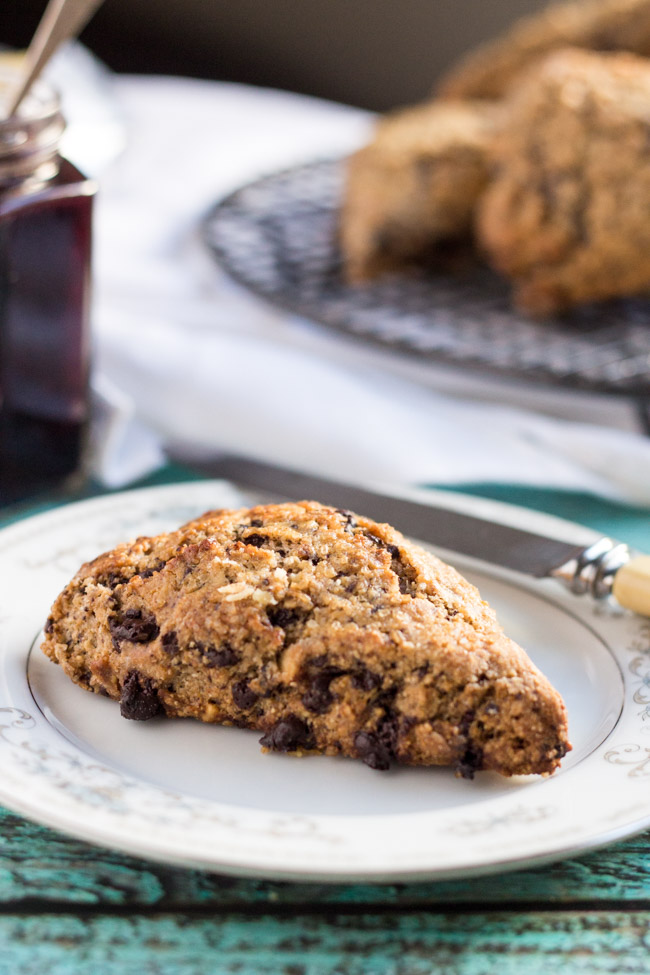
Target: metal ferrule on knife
{"points": [[593, 571]]}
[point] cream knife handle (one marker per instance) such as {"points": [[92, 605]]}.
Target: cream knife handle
{"points": [[631, 585]]}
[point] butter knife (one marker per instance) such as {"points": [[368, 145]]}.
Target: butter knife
{"points": [[602, 569]]}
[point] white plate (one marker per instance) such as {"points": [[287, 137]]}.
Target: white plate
{"points": [[199, 795]]}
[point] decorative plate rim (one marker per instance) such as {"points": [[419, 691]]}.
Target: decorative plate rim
{"points": [[48, 779]]}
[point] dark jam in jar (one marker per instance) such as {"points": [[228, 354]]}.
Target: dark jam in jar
{"points": [[45, 245]]}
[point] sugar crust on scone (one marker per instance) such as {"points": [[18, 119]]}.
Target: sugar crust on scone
{"points": [[322, 629]]}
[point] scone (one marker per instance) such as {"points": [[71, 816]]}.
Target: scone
{"points": [[566, 214], [414, 187], [323, 630], [598, 25]]}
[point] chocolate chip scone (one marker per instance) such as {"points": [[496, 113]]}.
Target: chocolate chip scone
{"points": [[413, 188], [599, 25], [323, 630], [566, 214]]}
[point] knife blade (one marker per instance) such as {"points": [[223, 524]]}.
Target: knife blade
{"points": [[602, 568]]}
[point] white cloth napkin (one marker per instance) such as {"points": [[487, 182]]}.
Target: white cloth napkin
{"points": [[186, 359]]}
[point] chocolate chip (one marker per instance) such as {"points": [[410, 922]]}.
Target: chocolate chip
{"points": [[491, 708], [406, 575], [349, 517], [393, 550], [134, 626], [147, 573], [375, 540], [255, 539], [49, 625], [319, 698], [243, 696], [466, 722], [405, 572], [256, 522], [139, 700], [388, 732], [170, 642], [224, 657], [365, 680], [112, 579], [283, 617], [288, 735], [471, 761], [372, 751]]}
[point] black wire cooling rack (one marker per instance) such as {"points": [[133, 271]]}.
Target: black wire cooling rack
{"points": [[278, 236]]}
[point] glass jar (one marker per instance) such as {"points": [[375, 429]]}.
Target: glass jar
{"points": [[45, 250]]}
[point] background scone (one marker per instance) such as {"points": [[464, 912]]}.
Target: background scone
{"points": [[598, 25], [567, 214], [326, 631], [415, 186]]}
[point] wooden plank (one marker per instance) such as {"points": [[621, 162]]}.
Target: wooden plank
{"points": [[413, 944], [39, 865]]}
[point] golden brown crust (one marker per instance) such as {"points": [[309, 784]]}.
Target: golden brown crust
{"points": [[414, 185], [598, 25], [322, 629], [566, 213]]}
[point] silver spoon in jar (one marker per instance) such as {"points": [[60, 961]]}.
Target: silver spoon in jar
{"points": [[62, 21]]}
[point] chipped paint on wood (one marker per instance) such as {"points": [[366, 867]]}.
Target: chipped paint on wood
{"points": [[411, 944]]}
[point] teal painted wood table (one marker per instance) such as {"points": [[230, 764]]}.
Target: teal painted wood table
{"points": [[68, 907]]}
